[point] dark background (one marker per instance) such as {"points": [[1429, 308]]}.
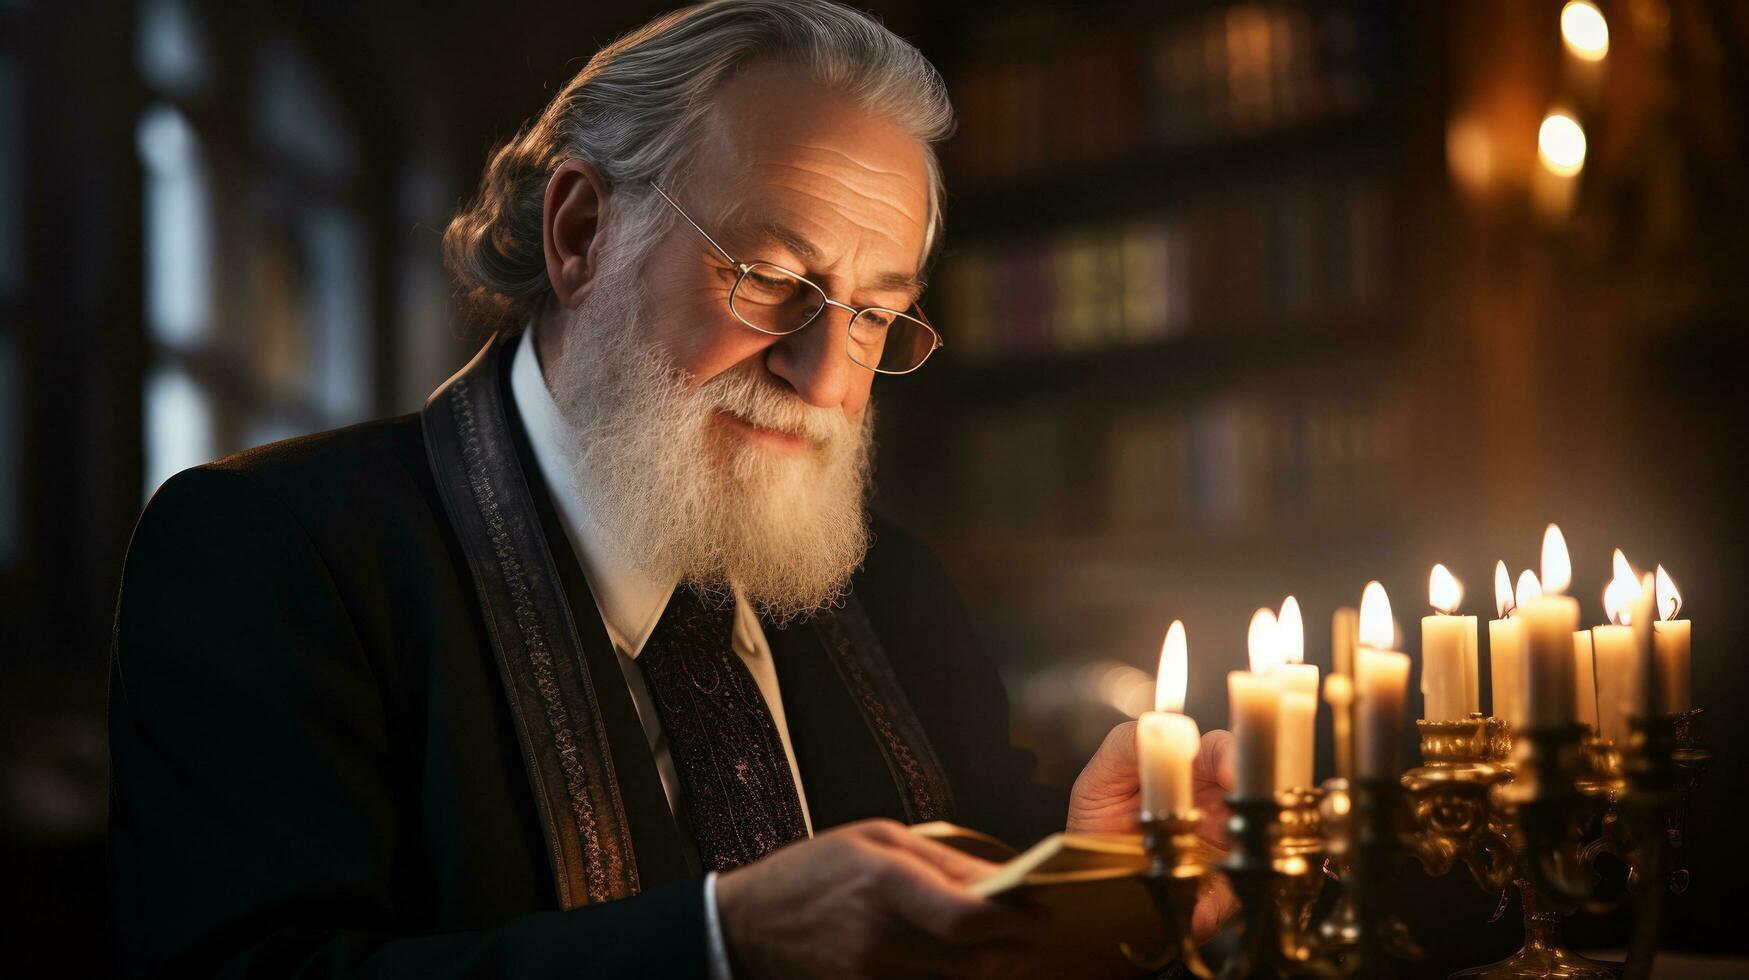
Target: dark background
{"points": [[1241, 300]]}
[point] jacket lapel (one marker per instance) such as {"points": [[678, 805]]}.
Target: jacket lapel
{"points": [[662, 857], [559, 717], [859, 746]]}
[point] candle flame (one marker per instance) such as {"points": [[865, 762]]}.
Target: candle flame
{"points": [[1619, 567], [1622, 592], [1584, 30], [1560, 144], [1290, 633], [1669, 600], [1377, 630], [1260, 642], [1557, 567], [1528, 588], [1174, 670], [1444, 592], [1503, 601]]}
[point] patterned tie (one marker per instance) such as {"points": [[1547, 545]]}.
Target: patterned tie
{"points": [[740, 796]]}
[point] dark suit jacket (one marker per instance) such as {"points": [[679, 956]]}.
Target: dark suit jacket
{"points": [[315, 766]]}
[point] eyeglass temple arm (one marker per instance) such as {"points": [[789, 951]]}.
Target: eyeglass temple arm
{"points": [[682, 212]]}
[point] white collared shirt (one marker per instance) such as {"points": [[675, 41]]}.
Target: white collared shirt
{"points": [[630, 599]]}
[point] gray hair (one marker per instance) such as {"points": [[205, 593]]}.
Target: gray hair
{"points": [[634, 112]]}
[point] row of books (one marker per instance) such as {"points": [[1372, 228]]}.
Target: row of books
{"points": [[1264, 262], [1046, 103], [1232, 463]]}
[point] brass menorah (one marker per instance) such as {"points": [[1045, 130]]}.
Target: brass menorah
{"points": [[1532, 811]]}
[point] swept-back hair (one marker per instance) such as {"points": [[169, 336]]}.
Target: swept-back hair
{"points": [[635, 111]]}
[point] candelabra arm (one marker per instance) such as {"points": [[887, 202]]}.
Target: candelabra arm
{"points": [[1550, 809], [1377, 838], [1173, 875]]}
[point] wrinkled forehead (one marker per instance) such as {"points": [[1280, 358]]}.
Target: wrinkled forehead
{"points": [[781, 149]]}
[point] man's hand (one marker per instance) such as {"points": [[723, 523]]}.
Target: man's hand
{"points": [[1107, 797], [869, 899]]}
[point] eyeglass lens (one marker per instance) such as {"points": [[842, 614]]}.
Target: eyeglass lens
{"points": [[777, 301]]}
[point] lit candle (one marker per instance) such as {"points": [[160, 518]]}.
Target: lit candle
{"points": [[1296, 727], [1166, 739], [1584, 681], [1550, 620], [1642, 613], [1506, 649], [1448, 652], [1381, 686], [1254, 700], [1585, 35], [1616, 656], [1670, 648]]}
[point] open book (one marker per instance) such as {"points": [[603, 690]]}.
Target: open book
{"points": [[1091, 883]]}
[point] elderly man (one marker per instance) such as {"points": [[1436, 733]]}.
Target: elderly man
{"points": [[599, 666]]}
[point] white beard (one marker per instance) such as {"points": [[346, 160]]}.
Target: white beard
{"points": [[676, 493]]}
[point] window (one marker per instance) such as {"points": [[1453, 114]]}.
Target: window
{"points": [[258, 286]]}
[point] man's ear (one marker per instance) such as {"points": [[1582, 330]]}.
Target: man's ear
{"points": [[571, 216]]}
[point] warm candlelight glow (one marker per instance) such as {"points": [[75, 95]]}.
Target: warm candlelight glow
{"points": [[1620, 568], [1503, 601], [1621, 592], [1290, 633], [1444, 592], [1557, 567], [1528, 588], [1584, 30], [1260, 642], [1174, 670], [1669, 600], [1377, 630], [1560, 145]]}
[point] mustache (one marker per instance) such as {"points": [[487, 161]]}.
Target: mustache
{"points": [[746, 393]]}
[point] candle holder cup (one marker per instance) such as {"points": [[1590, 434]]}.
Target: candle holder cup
{"points": [[1299, 861], [1451, 815]]}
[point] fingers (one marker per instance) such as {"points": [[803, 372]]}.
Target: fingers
{"points": [[922, 880], [958, 866], [1215, 904], [1120, 743], [938, 906], [1214, 760]]}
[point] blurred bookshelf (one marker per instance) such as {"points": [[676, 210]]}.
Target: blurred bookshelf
{"points": [[1174, 330]]}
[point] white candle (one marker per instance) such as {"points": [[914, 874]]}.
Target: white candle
{"points": [[1298, 714], [1166, 740], [1615, 654], [1506, 651], [1296, 730], [1671, 650], [1448, 652], [1549, 623], [1584, 681], [1254, 702], [1381, 688]]}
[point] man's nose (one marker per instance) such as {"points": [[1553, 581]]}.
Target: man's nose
{"points": [[815, 360]]}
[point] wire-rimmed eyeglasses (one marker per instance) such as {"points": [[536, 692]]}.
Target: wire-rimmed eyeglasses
{"points": [[773, 300]]}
